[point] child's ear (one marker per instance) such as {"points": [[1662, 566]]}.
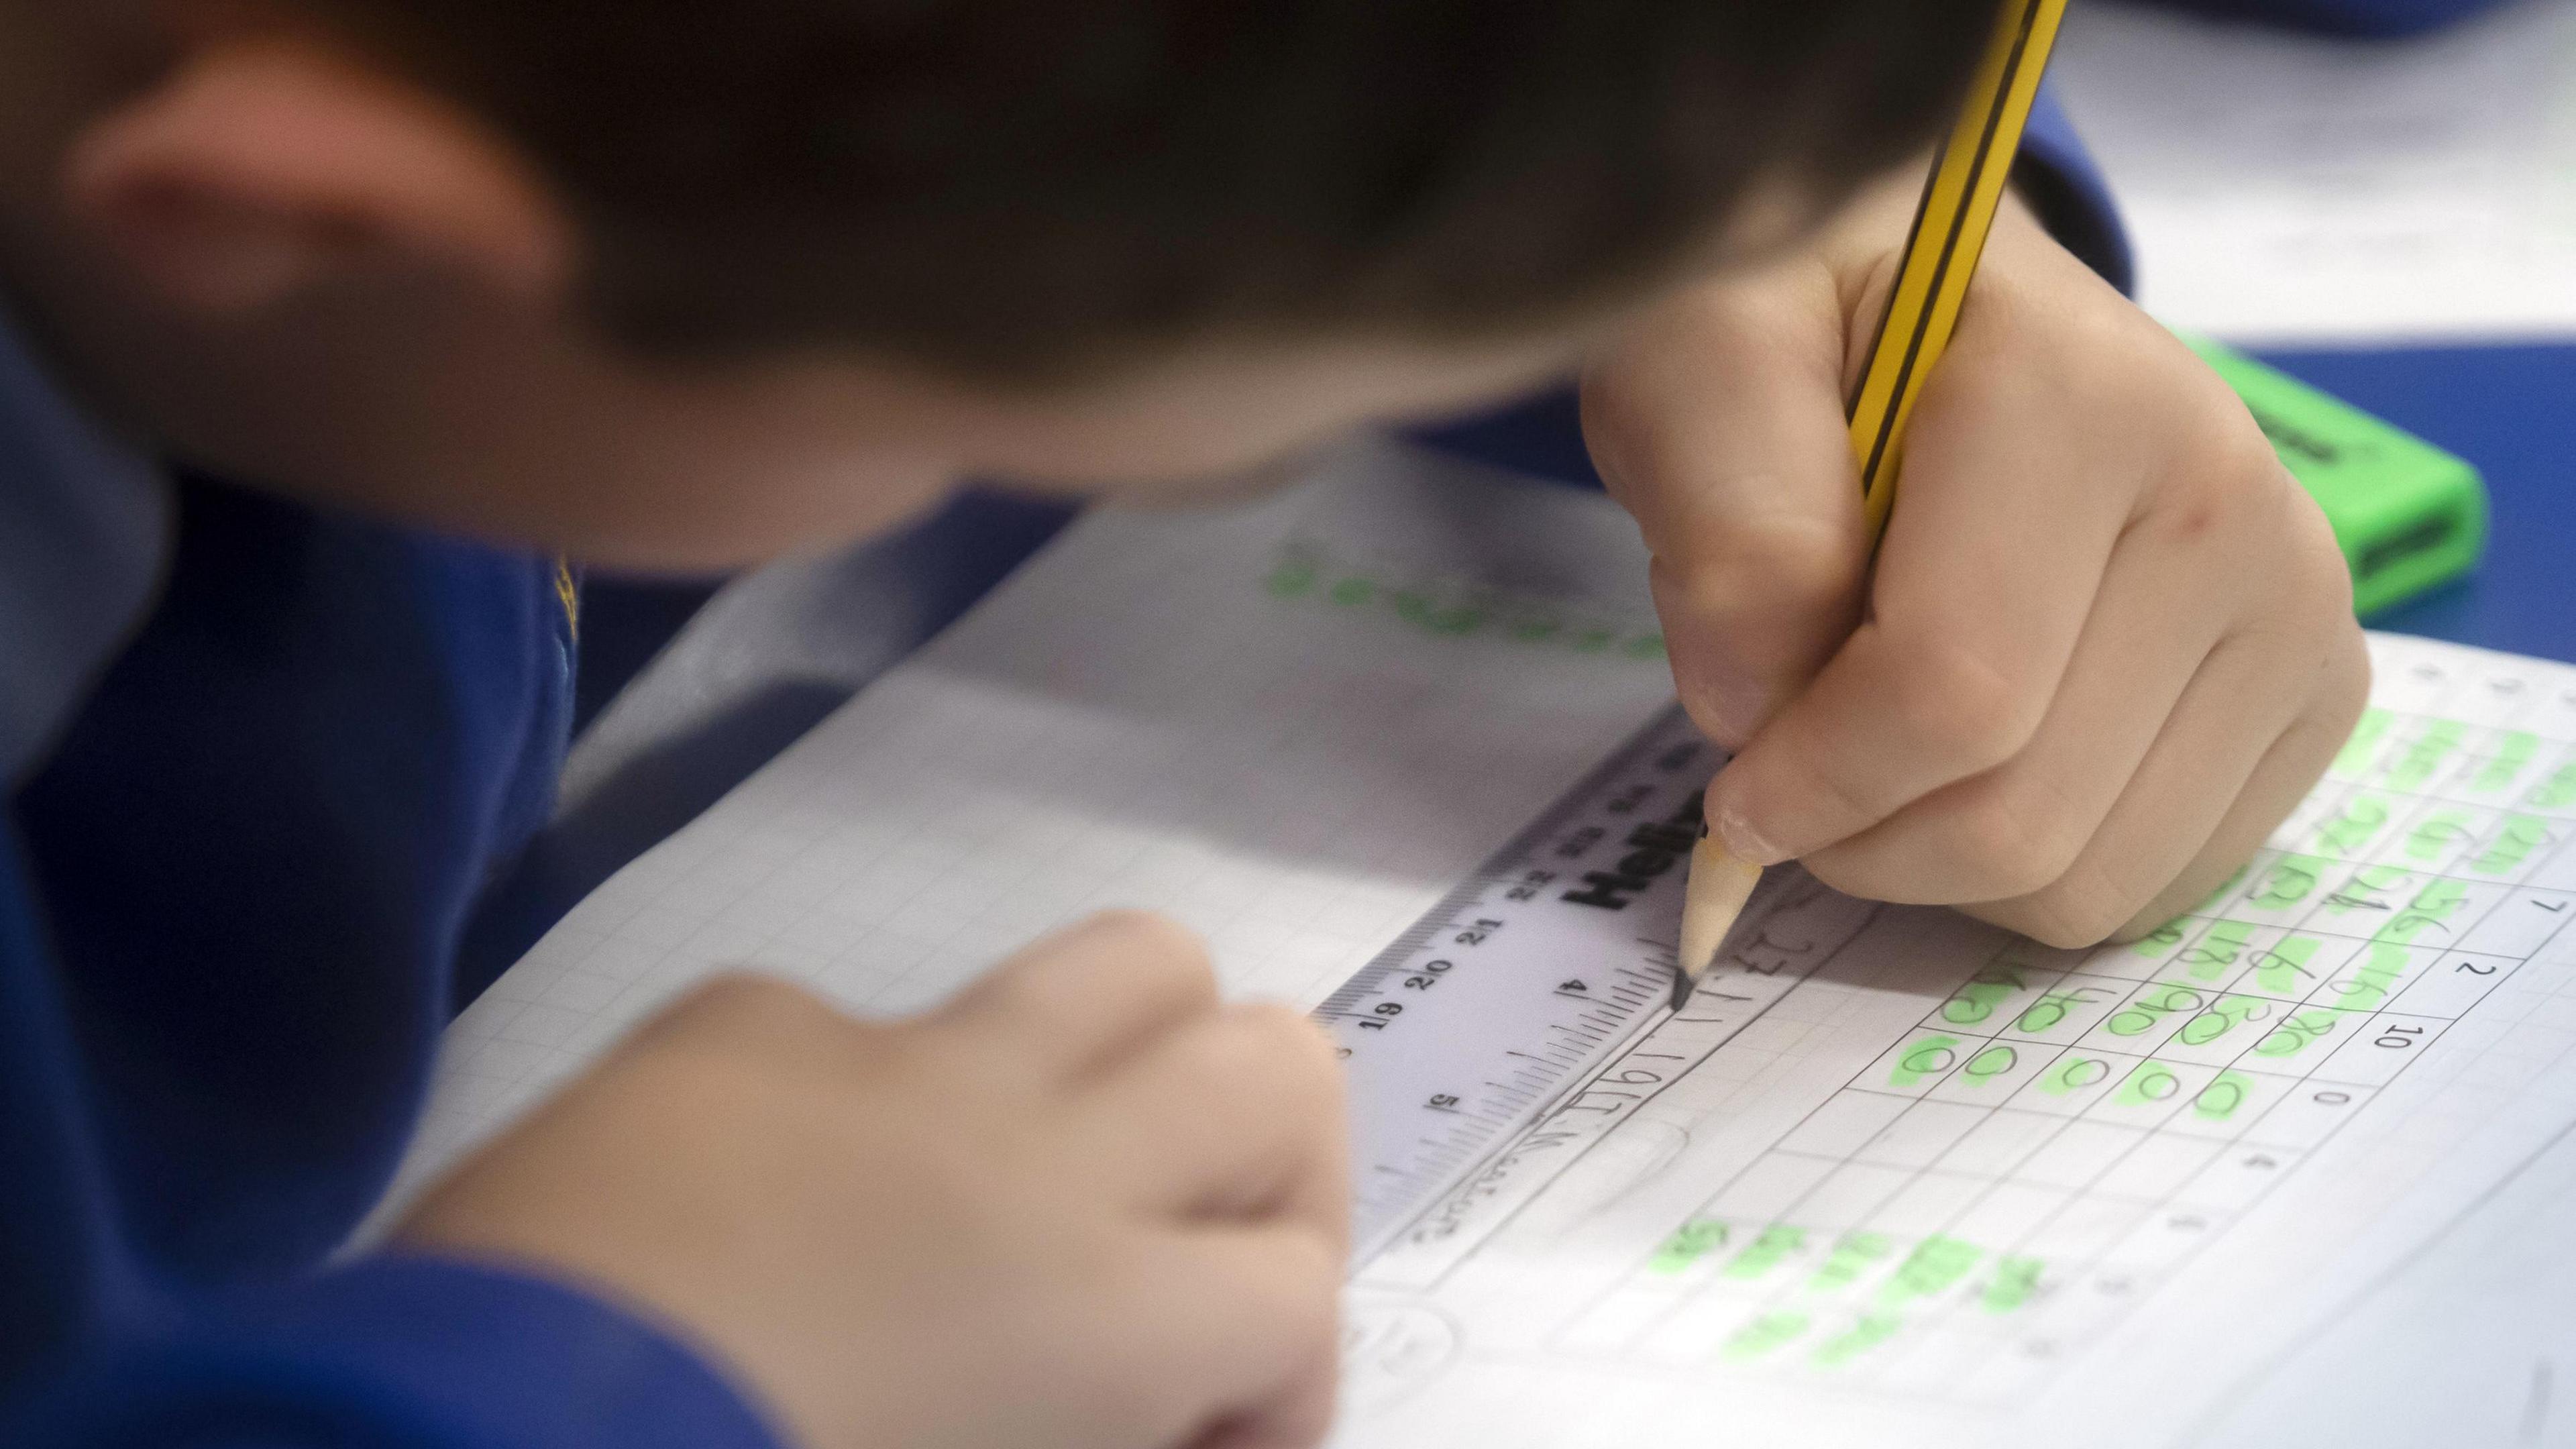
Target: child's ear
{"points": [[257, 168]]}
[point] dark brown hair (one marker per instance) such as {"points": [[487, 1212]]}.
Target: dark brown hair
{"points": [[1023, 186]]}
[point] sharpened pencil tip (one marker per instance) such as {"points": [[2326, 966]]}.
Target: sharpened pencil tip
{"points": [[1682, 984], [1719, 886]]}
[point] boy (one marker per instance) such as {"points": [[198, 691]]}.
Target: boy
{"points": [[680, 286]]}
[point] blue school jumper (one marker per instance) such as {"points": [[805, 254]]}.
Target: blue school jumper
{"points": [[263, 760]]}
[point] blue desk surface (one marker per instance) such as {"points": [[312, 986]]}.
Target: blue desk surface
{"points": [[2507, 410]]}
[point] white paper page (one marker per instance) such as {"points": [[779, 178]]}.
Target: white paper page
{"points": [[1904, 1205], [1290, 726], [2282, 187]]}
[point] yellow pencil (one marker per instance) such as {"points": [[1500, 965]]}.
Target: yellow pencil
{"points": [[1950, 224]]}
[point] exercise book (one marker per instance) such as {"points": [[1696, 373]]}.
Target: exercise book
{"points": [[1930, 1184]]}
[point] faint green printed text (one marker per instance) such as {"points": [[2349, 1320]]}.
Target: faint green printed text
{"points": [[1768, 1250], [1866, 1332], [1850, 1261], [1763, 1335], [1689, 1243], [1452, 608], [1935, 1264]]}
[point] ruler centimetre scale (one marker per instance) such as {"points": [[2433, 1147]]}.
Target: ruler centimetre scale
{"points": [[1506, 1004]]}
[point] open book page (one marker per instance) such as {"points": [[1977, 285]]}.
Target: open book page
{"points": [[1949, 1187]]}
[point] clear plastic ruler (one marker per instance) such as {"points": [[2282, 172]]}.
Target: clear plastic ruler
{"points": [[1537, 996]]}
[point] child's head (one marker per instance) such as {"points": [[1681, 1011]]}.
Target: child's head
{"points": [[686, 281]]}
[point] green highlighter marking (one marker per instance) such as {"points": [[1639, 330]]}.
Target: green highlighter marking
{"points": [[1867, 1332], [2522, 834], [2291, 880], [1928, 1271], [2225, 1093], [2433, 905], [2073, 1074], [2279, 970], [2016, 1282], [2422, 759], [2148, 1083], [2297, 1034], [2512, 753], [1767, 1250], [1975, 1001], [2353, 826], [2208, 958], [2436, 833], [2227, 1014], [2375, 980], [2366, 735], [1689, 1243], [2557, 792], [1928, 1056], [1850, 1261], [1764, 1335]]}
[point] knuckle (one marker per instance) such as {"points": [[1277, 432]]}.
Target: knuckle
{"points": [[2223, 476], [2013, 844], [1960, 710], [1769, 563], [2080, 908]]}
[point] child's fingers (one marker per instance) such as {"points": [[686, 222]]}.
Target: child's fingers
{"points": [[2009, 514], [1248, 1332], [2220, 776], [2279, 782], [1296, 1417], [1720, 427], [1240, 1114], [1083, 998], [2018, 827]]}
